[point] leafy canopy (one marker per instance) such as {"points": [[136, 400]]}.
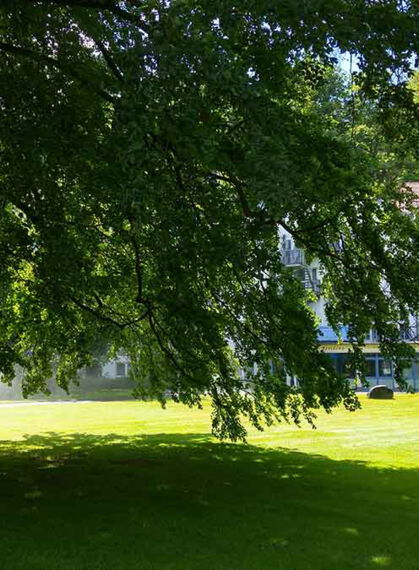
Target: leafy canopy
{"points": [[151, 154]]}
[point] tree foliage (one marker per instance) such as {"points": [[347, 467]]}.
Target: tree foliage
{"points": [[152, 151]]}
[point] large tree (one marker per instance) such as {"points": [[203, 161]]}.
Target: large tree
{"points": [[151, 153]]}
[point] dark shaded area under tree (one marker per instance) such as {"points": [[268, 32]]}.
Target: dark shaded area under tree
{"points": [[183, 501]]}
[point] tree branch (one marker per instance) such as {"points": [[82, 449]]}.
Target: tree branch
{"points": [[169, 355], [96, 5], [262, 218], [138, 270], [108, 58], [107, 318], [41, 58]]}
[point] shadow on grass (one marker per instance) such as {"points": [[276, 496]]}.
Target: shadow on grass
{"points": [[85, 501]]}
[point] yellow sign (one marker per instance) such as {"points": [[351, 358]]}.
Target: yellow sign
{"points": [[345, 347]]}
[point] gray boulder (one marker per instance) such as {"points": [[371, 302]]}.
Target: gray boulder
{"points": [[381, 392]]}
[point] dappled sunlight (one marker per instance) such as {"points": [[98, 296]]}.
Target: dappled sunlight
{"points": [[352, 531], [155, 485], [240, 502], [381, 560]]}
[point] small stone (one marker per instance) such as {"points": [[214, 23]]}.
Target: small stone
{"points": [[381, 392]]}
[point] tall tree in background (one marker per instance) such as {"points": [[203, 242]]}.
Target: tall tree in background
{"points": [[151, 151]]}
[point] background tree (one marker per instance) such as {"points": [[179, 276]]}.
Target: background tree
{"points": [[150, 155]]}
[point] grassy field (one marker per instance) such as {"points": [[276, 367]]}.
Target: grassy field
{"points": [[121, 485]]}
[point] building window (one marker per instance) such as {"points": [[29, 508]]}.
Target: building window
{"points": [[384, 368], [120, 368], [372, 336], [342, 365], [370, 371], [347, 367], [408, 372]]}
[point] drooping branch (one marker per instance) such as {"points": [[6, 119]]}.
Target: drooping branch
{"points": [[109, 60], [96, 5], [166, 351], [62, 66], [262, 218], [138, 269], [106, 318], [137, 262], [238, 186]]}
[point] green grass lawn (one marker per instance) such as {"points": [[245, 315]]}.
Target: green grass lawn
{"points": [[124, 485]]}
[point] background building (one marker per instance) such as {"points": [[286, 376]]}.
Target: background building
{"points": [[379, 370]]}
